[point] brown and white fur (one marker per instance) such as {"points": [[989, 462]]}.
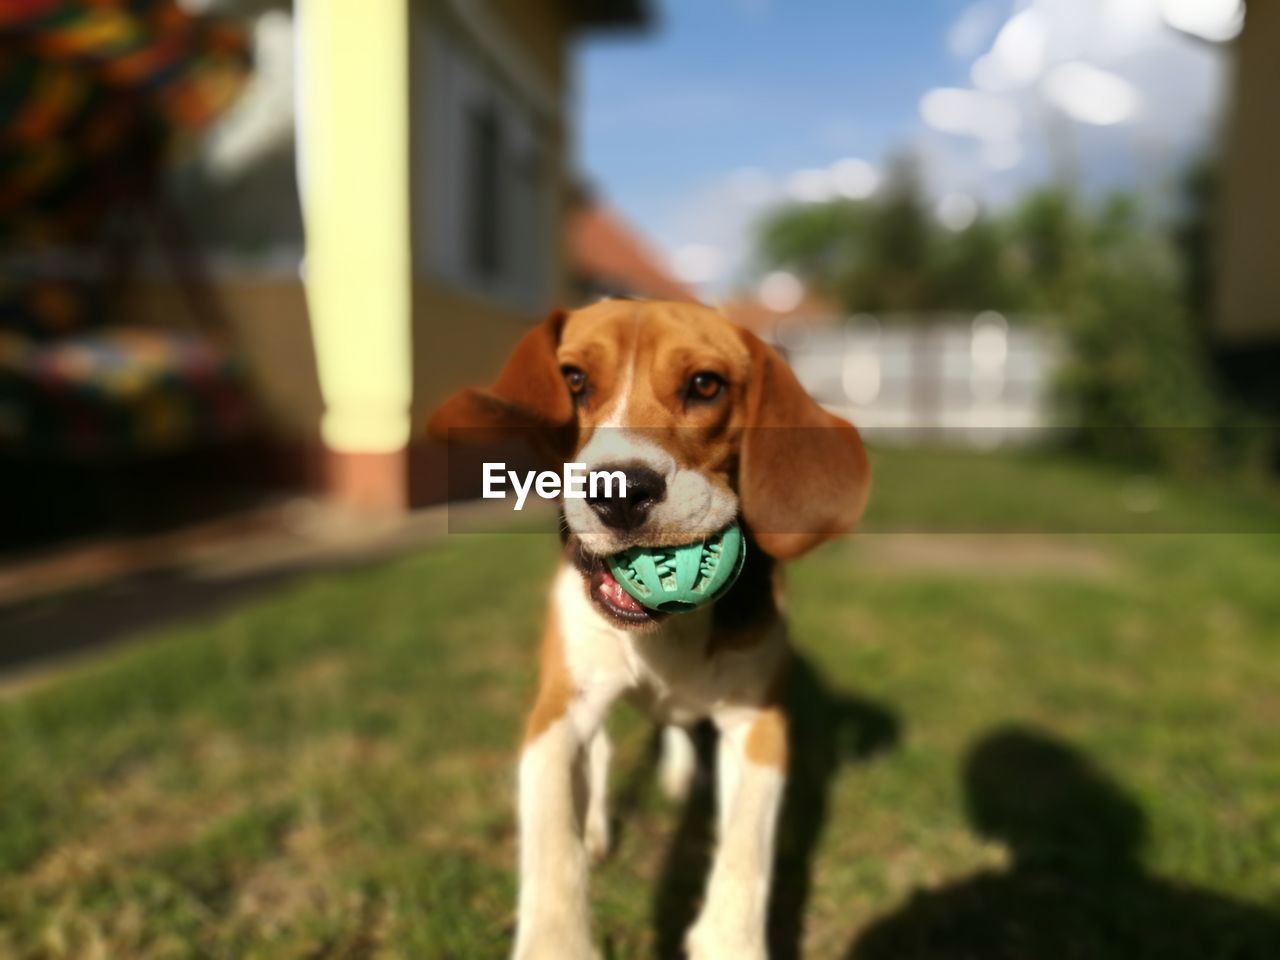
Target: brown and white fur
{"points": [[676, 391]]}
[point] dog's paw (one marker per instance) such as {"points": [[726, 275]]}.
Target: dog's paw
{"points": [[554, 948], [711, 941], [678, 764], [596, 836]]}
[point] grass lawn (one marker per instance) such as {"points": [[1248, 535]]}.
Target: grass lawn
{"points": [[1048, 744]]}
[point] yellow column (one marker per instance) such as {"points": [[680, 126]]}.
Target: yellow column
{"points": [[353, 139]]}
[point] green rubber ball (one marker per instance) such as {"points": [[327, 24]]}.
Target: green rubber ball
{"points": [[679, 579]]}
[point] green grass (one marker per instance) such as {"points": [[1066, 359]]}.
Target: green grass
{"points": [[1054, 744]]}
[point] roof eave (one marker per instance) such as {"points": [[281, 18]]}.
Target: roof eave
{"points": [[610, 14]]}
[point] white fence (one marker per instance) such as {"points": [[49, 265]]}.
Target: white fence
{"points": [[980, 381]]}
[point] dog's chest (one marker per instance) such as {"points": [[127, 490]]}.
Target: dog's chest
{"points": [[674, 672]]}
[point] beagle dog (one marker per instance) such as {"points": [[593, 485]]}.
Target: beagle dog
{"points": [[710, 426]]}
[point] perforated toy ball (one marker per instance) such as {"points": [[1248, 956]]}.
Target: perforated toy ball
{"points": [[678, 579]]}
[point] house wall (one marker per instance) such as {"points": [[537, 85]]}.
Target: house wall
{"points": [[1249, 296], [461, 341], [327, 362], [461, 333], [543, 26]]}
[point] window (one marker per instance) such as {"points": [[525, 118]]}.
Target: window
{"points": [[483, 212], [484, 193]]}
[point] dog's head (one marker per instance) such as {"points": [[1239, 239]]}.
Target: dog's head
{"points": [[706, 420]]}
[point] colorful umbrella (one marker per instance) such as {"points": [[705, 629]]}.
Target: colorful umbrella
{"points": [[91, 91]]}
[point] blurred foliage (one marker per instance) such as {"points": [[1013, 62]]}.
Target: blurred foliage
{"points": [[1129, 292], [977, 267], [1195, 233], [1138, 380], [896, 272], [1135, 379], [889, 254], [821, 242]]}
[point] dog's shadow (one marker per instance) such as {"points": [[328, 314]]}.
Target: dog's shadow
{"points": [[1076, 886], [827, 729]]}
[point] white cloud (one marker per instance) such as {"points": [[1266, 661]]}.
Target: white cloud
{"points": [[1001, 155], [1096, 63], [1021, 47], [813, 185], [987, 74], [851, 178], [1126, 27], [854, 179], [971, 113], [1090, 94], [974, 28], [1217, 20]]}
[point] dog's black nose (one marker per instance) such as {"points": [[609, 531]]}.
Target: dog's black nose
{"points": [[626, 510]]}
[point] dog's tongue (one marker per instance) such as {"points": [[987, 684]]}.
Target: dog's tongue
{"points": [[612, 591]]}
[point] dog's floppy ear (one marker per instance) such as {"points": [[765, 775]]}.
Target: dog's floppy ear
{"points": [[803, 475], [529, 394]]}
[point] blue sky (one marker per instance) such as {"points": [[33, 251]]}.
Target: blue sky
{"points": [[723, 84], [695, 127]]}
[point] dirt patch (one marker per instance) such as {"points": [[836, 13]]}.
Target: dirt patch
{"points": [[996, 555]]}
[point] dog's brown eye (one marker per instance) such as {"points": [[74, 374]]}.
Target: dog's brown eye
{"points": [[705, 385], [576, 379]]}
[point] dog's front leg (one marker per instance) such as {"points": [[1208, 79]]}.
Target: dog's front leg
{"points": [[553, 921], [752, 772]]}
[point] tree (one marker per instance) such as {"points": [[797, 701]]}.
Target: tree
{"points": [[819, 242], [1047, 235], [975, 270], [1196, 235], [1125, 294], [894, 274], [866, 255]]}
